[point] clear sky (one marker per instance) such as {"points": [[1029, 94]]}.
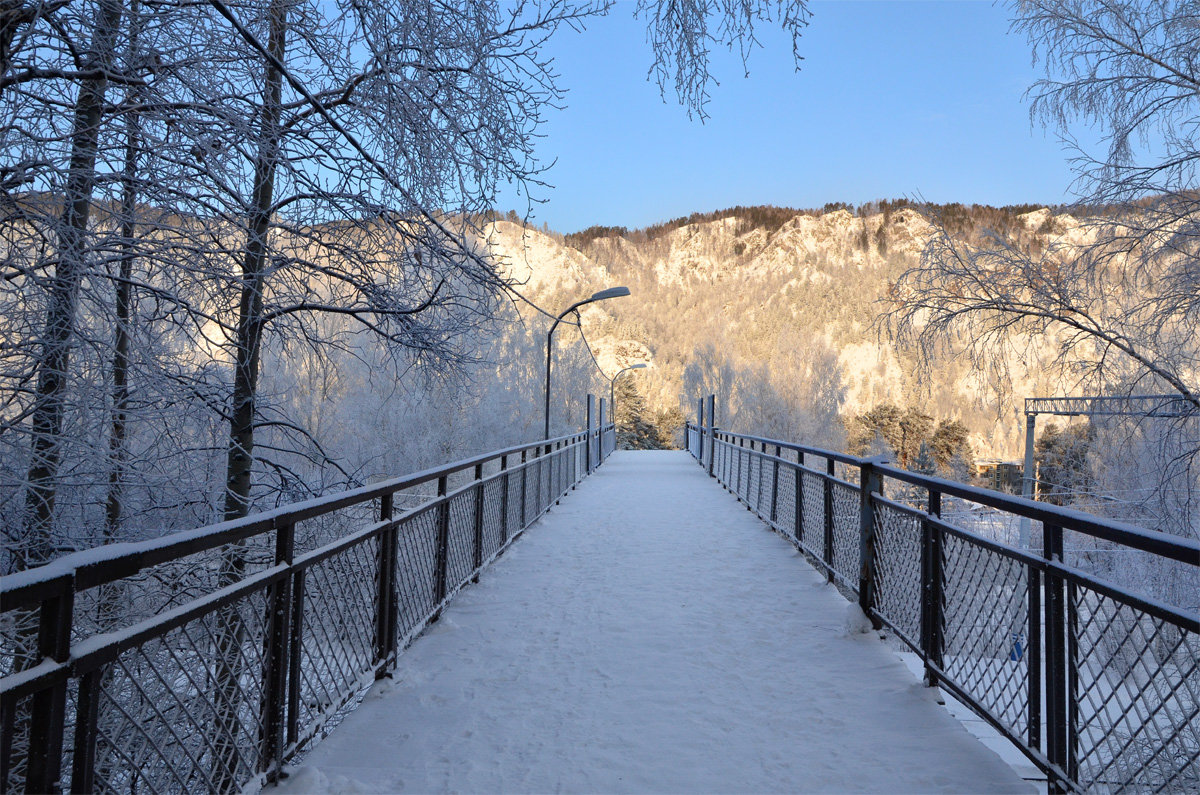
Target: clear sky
{"points": [[893, 99]]}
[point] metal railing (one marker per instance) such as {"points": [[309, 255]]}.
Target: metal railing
{"points": [[1098, 686], [203, 660]]}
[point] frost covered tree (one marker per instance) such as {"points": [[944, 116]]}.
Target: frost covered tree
{"points": [[1122, 300], [681, 34], [796, 395], [1119, 296], [281, 161]]}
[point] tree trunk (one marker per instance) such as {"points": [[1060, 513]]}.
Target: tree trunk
{"points": [[47, 417], [230, 772], [118, 453], [249, 327]]}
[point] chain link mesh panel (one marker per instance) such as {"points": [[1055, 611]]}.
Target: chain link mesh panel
{"points": [[462, 538], [416, 572], [182, 712], [846, 559], [492, 513], [898, 569], [753, 463], [1137, 688], [813, 531], [515, 520], [18, 652], [15, 715], [785, 501], [985, 614], [337, 640]]}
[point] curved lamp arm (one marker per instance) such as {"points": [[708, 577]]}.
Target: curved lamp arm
{"points": [[611, 292]]}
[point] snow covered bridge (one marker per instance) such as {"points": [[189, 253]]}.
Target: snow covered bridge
{"points": [[631, 628], [650, 635]]}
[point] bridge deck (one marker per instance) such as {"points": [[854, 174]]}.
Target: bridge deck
{"points": [[650, 635]]}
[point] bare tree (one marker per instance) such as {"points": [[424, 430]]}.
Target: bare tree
{"points": [[1115, 297], [70, 252], [681, 33], [1119, 296]]}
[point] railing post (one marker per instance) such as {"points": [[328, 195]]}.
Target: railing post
{"points": [[83, 771], [442, 563], [504, 500], [557, 469], [478, 521], [1057, 741], [295, 654], [712, 433], [524, 489], [385, 595], [775, 484], [869, 484], [932, 590], [758, 494], [700, 430], [275, 668], [600, 434], [1033, 657], [798, 518], [827, 495], [738, 488], [590, 400], [48, 707]]}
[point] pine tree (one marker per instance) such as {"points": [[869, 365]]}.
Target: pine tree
{"points": [[924, 461], [635, 429]]}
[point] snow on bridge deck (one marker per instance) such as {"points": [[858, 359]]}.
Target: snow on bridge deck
{"points": [[650, 635]]}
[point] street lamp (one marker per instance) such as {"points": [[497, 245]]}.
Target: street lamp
{"points": [[612, 394], [611, 292]]}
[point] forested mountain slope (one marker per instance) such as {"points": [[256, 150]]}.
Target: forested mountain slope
{"points": [[777, 311]]}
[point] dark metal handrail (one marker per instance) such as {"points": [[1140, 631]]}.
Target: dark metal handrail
{"points": [[99, 565], [1166, 545], [1098, 686], [223, 688]]}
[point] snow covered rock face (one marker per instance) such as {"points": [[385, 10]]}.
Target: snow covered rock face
{"points": [[540, 264], [768, 299]]}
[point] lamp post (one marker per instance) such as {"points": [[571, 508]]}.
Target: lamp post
{"points": [[612, 393], [611, 292]]}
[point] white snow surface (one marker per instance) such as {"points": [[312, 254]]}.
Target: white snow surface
{"points": [[650, 635]]}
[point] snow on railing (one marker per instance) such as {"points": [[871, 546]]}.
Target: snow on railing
{"points": [[203, 660], [1098, 685]]}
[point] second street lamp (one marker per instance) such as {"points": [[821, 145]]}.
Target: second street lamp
{"points": [[611, 292]]}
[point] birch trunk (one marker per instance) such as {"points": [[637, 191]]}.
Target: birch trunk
{"points": [[230, 770], [47, 416]]}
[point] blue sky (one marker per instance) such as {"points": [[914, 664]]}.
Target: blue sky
{"points": [[893, 99]]}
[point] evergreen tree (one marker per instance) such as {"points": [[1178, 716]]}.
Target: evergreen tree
{"points": [[635, 427], [925, 462], [1061, 454], [950, 439]]}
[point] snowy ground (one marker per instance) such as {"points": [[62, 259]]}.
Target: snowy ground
{"points": [[650, 635]]}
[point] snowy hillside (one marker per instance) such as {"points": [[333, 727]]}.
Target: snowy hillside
{"points": [[777, 296]]}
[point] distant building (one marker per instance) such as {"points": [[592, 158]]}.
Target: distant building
{"points": [[1000, 475]]}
